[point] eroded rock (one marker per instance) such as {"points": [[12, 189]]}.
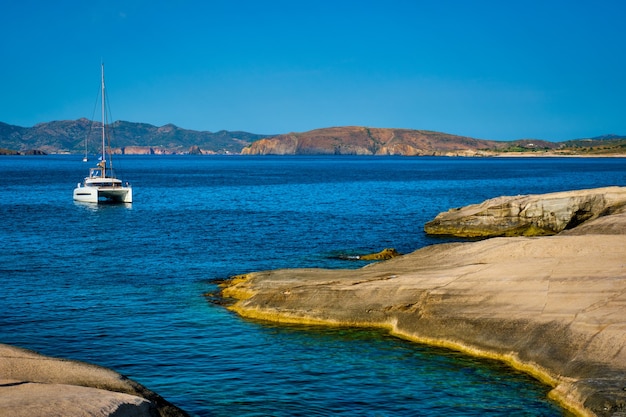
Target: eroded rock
{"points": [[529, 215]]}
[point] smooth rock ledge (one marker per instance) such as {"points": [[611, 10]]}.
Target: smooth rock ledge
{"points": [[554, 307], [33, 385]]}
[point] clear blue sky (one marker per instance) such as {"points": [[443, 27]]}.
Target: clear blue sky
{"points": [[501, 70]]}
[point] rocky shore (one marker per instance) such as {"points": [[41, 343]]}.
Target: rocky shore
{"points": [[33, 385], [552, 306], [529, 215]]}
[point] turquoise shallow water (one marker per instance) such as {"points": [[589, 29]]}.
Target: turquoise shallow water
{"points": [[123, 286]]}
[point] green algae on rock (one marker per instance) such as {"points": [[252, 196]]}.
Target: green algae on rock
{"points": [[384, 254]]}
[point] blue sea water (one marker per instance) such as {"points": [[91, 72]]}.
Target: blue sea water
{"points": [[122, 286]]}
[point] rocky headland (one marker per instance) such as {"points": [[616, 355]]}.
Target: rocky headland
{"points": [[529, 215], [552, 306], [33, 385], [357, 140], [360, 140]]}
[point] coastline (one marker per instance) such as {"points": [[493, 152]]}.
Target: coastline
{"points": [[158, 152], [551, 306], [555, 155], [529, 154]]}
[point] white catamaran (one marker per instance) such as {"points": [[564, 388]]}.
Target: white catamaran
{"points": [[101, 184]]}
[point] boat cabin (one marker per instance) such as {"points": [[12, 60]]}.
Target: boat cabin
{"points": [[103, 182], [97, 177], [99, 171]]}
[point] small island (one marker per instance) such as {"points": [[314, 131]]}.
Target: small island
{"points": [[547, 300]]}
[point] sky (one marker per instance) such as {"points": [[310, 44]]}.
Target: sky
{"points": [[490, 69]]}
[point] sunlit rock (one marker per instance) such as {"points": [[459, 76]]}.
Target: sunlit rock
{"points": [[528, 215]]}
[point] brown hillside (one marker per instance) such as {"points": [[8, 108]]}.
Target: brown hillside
{"points": [[355, 140]]}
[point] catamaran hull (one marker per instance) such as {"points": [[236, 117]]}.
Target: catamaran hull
{"points": [[101, 194]]}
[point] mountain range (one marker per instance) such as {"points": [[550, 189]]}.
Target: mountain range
{"points": [[74, 136], [82, 135]]}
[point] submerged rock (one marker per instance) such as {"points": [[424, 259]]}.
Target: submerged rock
{"points": [[384, 254], [529, 215]]}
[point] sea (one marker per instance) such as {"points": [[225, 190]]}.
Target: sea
{"points": [[125, 286]]}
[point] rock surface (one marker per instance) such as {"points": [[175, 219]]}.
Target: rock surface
{"points": [[550, 306], [529, 215], [384, 254], [33, 385]]}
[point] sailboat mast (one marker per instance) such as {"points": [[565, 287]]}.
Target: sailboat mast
{"points": [[103, 121]]}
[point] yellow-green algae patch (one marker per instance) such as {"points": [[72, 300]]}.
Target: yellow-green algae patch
{"points": [[561, 387], [558, 393], [237, 288]]}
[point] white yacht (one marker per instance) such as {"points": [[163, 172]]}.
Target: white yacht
{"points": [[101, 184]]}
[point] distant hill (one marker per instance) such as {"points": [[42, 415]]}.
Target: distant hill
{"points": [[68, 136], [140, 138], [354, 140], [357, 140]]}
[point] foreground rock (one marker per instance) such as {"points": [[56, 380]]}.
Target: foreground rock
{"points": [[529, 215], [551, 306], [32, 385]]}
